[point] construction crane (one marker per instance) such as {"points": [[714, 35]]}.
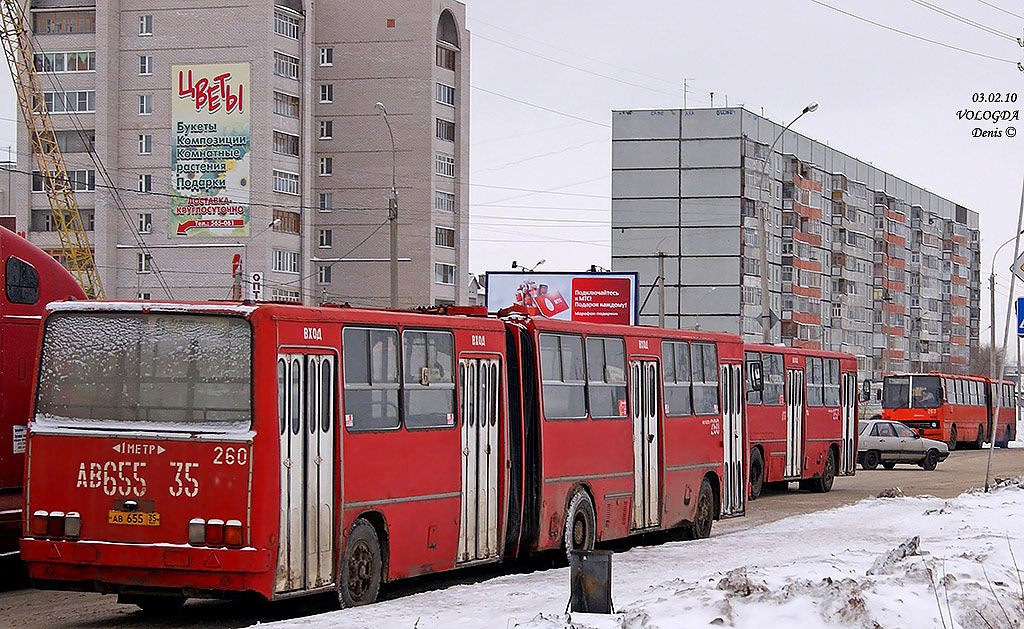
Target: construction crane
{"points": [[78, 255]]}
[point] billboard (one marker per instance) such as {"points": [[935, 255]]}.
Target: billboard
{"points": [[588, 297], [210, 150]]}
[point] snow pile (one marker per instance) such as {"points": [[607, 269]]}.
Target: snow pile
{"points": [[882, 562]]}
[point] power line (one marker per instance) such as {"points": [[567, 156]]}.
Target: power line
{"points": [[962, 19], [911, 35], [541, 107], [989, 4]]}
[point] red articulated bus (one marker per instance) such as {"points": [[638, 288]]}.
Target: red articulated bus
{"points": [[31, 279], [802, 426], [217, 450], [956, 409]]}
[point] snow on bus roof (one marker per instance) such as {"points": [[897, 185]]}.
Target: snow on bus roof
{"points": [[150, 306]]}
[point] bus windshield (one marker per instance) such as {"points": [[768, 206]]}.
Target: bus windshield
{"points": [[153, 370], [912, 392]]}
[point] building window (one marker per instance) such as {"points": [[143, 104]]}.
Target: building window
{"points": [[143, 295], [326, 201], [145, 183], [145, 222], [145, 25], [444, 201], [326, 129], [83, 101], [286, 105], [286, 25], [285, 294], [324, 274], [65, 61], [444, 165], [286, 261], [445, 130], [287, 222], [143, 262], [145, 65], [327, 93], [327, 56], [145, 104], [78, 180], [326, 166], [63, 22], [444, 94], [326, 238], [445, 58], [444, 273], [286, 65], [145, 144], [286, 143], [444, 237], [286, 182]]}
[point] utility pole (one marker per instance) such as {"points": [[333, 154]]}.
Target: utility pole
{"points": [[661, 289], [392, 209]]}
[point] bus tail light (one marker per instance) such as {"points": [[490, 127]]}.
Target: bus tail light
{"points": [[38, 526], [55, 524], [197, 531], [72, 524], [233, 533], [215, 532]]}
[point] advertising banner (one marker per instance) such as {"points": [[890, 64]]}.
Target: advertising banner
{"points": [[589, 297], [210, 150]]}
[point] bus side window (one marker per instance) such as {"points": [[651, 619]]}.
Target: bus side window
{"points": [[429, 378], [370, 358], [562, 376], [675, 358], [606, 377], [753, 397], [704, 361]]}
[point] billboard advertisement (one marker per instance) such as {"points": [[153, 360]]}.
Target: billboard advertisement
{"points": [[210, 150], [588, 297]]}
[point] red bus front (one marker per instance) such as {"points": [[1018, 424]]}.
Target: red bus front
{"points": [[141, 460]]}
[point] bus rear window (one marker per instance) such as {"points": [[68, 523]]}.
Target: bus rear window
{"points": [[150, 370]]}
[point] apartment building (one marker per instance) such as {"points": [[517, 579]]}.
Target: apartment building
{"points": [[206, 143], [858, 260]]}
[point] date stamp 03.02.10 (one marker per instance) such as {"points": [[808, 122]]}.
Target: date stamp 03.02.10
{"points": [[992, 114]]}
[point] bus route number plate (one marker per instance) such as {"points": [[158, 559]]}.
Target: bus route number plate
{"points": [[137, 518]]}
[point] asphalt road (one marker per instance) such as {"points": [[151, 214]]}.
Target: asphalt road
{"points": [[26, 607]]}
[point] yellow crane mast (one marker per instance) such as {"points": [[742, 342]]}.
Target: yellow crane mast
{"points": [[78, 255]]}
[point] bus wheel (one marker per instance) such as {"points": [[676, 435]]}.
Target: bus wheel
{"points": [[704, 515], [361, 567], [152, 604], [580, 523], [823, 483], [1005, 441], [756, 473], [952, 438], [870, 460], [979, 441]]}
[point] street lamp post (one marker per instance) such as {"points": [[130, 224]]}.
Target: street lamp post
{"points": [[701, 301], [392, 209], [992, 311], [762, 225]]}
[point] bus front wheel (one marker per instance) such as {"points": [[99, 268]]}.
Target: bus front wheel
{"points": [[952, 438], [756, 473], [580, 523], [362, 566], [979, 441]]}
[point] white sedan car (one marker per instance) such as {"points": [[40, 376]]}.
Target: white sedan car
{"points": [[889, 443]]}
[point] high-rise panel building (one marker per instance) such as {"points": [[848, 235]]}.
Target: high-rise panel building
{"points": [[858, 260], [206, 143]]}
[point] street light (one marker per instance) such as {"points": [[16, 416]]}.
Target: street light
{"points": [[992, 309], [392, 208], [236, 290], [701, 301], [762, 226], [528, 269]]}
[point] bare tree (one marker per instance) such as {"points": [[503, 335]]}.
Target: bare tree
{"points": [[979, 364]]}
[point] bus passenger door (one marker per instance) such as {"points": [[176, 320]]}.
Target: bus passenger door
{"points": [[794, 422], [478, 405], [734, 485], [646, 440], [849, 457], [305, 558]]}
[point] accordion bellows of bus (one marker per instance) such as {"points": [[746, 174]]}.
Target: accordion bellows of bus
{"points": [[222, 449]]}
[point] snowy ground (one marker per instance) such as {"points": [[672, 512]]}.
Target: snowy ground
{"points": [[826, 569]]}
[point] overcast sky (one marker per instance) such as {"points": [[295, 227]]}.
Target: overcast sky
{"points": [[546, 75]]}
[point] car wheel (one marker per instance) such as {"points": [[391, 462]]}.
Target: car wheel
{"points": [[931, 459], [361, 566], [952, 438], [870, 460], [889, 464], [756, 473]]}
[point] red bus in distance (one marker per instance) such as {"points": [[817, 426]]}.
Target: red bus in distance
{"points": [[802, 426], [959, 410], [31, 280], [193, 449]]}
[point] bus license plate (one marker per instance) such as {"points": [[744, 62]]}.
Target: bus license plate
{"points": [[138, 518]]}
